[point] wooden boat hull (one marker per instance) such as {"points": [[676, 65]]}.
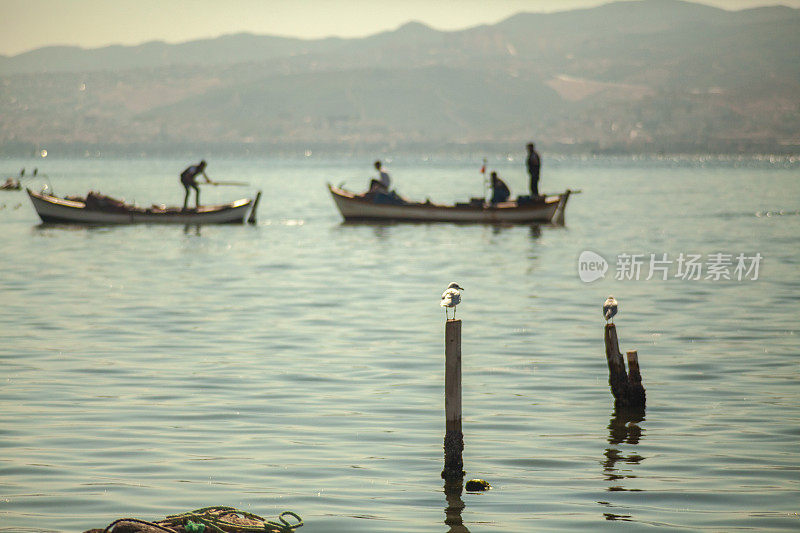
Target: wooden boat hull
{"points": [[355, 208], [58, 210]]}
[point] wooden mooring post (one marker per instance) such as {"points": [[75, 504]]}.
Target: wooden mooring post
{"points": [[252, 219], [453, 436], [625, 386]]}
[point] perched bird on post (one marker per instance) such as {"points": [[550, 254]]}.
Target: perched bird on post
{"points": [[451, 298], [610, 309]]}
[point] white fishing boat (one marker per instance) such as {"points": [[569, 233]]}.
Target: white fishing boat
{"points": [[355, 207], [99, 209]]}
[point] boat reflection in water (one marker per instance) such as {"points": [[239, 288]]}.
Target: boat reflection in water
{"points": [[382, 228], [623, 428]]}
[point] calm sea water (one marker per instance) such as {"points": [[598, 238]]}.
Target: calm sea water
{"points": [[298, 364]]}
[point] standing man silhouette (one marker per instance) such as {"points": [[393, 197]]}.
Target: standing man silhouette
{"points": [[188, 180], [534, 163]]}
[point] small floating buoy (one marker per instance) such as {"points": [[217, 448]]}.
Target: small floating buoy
{"points": [[477, 485]]}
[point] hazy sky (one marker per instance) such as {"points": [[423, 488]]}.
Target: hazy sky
{"points": [[29, 24]]}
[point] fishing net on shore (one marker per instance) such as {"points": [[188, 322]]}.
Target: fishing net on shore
{"points": [[217, 519]]}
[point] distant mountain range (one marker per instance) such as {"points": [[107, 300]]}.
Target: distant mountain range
{"points": [[626, 77]]}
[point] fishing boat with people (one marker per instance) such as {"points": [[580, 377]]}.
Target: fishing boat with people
{"points": [[390, 206], [96, 208]]}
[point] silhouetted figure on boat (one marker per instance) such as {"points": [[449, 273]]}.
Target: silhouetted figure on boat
{"points": [[379, 189], [534, 163], [188, 180], [500, 192], [383, 182]]}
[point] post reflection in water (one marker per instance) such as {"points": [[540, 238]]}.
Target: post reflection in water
{"points": [[452, 491], [189, 229], [623, 428]]}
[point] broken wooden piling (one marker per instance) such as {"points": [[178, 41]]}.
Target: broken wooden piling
{"points": [[625, 386], [252, 219], [453, 437]]}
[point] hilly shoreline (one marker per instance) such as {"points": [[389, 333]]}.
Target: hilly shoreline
{"points": [[647, 77]]}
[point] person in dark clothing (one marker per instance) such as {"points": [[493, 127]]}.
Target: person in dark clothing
{"points": [[383, 182], [533, 162], [500, 192], [188, 180]]}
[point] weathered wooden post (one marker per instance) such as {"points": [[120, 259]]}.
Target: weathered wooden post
{"points": [[558, 216], [252, 219], [636, 389], [626, 387], [617, 377], [453, 437]]}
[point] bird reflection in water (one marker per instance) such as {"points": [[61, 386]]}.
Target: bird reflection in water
{"points": [[623, 428], [455, 505]]}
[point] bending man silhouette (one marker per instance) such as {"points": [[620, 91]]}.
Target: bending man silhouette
{"points": [[188, 180]]}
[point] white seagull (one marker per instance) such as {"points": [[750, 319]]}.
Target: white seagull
{"points": [[610, 309], [451, 298]]}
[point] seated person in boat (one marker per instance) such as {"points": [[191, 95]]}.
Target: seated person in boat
{"points": [[188, 180], [500, 192], [383, 182], [379, 189]]}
